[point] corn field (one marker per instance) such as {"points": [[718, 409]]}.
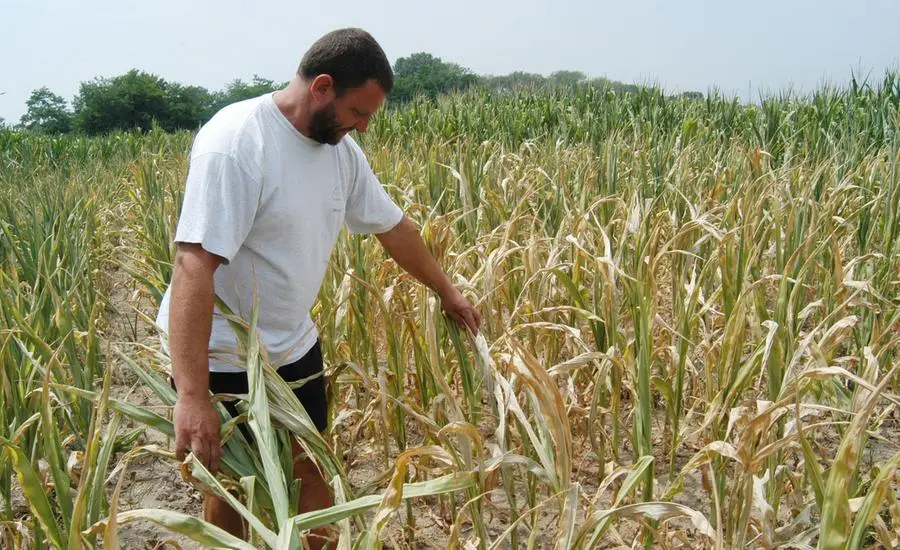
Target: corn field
{"points": [[691, 333]]}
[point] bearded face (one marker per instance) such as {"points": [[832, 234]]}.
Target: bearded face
{"points": [[324, 126], [338, 113]]}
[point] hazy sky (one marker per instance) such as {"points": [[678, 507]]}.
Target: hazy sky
{"points": [[680, 44]]}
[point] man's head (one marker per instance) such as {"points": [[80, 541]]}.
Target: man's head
{"points": [[348, 76]]}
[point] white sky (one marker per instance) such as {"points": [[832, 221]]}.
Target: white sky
{"points": [[741, 48]]}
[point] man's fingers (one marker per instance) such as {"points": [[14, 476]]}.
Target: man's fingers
{"points": [[459, 318], [476, 320], [201, 451], [470, 321], [467, 318], [180, 445]]}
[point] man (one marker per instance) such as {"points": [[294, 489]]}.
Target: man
{"points": [[272, 181]]}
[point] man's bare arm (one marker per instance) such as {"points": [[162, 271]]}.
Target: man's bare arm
{"points": [[190, 323]]}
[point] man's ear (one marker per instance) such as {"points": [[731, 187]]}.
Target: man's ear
{"points": [[322, 88]]}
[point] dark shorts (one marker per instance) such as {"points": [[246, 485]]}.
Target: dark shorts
{"points": [[311, 394]]}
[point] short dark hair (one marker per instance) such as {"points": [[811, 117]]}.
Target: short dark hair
{"points": [[351, 57]]}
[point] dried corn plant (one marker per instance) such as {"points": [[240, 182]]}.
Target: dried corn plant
{"points": [[690, 338]]}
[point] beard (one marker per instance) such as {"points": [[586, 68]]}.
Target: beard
{"points": [[323, 126]]}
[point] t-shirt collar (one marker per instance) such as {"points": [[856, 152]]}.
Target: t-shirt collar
{"points": [[270, 101]]}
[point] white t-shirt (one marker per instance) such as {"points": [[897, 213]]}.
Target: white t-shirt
{"points": [[272, 202]]}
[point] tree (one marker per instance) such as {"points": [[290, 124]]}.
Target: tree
{"points": [[130, 101], [238, 90], [187, 107], [514, 80], [614, 85], [423, 73], [692, 95], [568, 79], [46, 112]]}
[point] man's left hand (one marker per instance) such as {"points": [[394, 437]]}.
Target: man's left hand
{"points": [[460, 310]]}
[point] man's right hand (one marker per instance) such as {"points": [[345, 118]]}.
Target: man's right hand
{"points": [[197, 426]]}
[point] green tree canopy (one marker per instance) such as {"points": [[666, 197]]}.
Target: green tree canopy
{"points": [[238, 90], [46, 112], [567, 78], [138, 100], [130, 101], [188, 107], [514, 80], [423, 73]]}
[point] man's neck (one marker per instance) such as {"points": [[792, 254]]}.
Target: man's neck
{"points": [[293, 104]]}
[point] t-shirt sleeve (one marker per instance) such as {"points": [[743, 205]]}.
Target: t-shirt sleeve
{"points": [[369, 208], [220, 203]]}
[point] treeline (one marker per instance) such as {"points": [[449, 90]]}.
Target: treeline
{"points": [[139, 100], [134, 100]]}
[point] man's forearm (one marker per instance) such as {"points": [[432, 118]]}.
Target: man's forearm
{"points": [[406, 247], [190, 323]]}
